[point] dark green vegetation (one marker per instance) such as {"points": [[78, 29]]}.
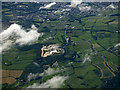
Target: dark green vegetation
{"points": [[17, 59], [90, 34]]}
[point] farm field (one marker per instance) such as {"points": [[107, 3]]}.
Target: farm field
{"points": [[81, 44]]}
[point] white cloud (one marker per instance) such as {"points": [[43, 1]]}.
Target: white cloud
{"points": [[55, 82], [33, 76], [62, 11], [87, 57], [49, 71], [48, 38], [111, 6], [15, 34], [84, 8], [36, 1], [48, 5], [78, 3], [74, 3], [67, 9], [36, 64], [117, 45], [5, 46]]}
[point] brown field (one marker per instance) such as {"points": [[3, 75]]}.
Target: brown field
{"points": [[8, 76], [5, 73], [16, 73], [115, 22], [95, 45], [8, 80]]}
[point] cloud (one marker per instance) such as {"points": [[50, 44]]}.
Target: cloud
{"points": [[74, 3], [35, 1], [49, 71], [78, 3], [84, 8], [36, 64], [48, 5], [15, 34], [5, 46], [117, 45], [48, 38], [55, 82], [33, 76], [86, 58], [88, 55], [111, 6]]}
